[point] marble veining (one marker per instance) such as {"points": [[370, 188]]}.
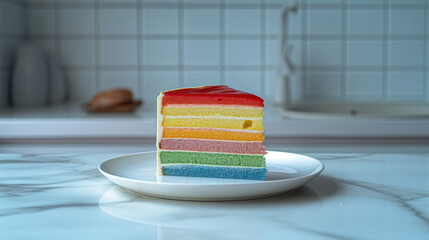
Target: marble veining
{"points": [[399, 195], [358, 196]]}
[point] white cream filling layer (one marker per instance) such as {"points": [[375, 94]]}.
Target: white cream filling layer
{"points": [[219, 129]]}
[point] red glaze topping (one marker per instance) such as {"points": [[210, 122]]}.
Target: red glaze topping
{"points": [[214, 95]]}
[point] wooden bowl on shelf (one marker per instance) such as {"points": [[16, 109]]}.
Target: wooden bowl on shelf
{"points": [[115, 100]]}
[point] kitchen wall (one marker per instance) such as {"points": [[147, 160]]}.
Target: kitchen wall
{"points": [[12, 35], [351, 49]]}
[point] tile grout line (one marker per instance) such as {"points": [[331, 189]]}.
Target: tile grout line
{"points": [[97, 45], [263, 80], [274, 6], [344, 45], [249, 68], [131, 37], [304, 46], [25, 36], [426, 52], [181, 45], [14, 2], [4, 69], [385, 61], [56, 31], [222, 43], [139, 48]]}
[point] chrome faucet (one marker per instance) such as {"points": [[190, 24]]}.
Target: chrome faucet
{"points": [[285, 67]]}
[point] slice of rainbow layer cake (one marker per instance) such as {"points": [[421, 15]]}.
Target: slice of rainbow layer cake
{"points": [[210, 131]]}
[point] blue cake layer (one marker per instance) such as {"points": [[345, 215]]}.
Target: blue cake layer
{"points": [[193, 170]]}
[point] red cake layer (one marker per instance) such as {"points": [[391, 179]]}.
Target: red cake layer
{"points": [[212, 146], [215, 95]]}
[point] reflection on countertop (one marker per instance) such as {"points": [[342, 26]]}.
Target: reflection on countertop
{"points": [[358, 196]]}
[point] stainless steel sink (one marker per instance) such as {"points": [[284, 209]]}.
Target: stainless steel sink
{"points": [[355, 109]]}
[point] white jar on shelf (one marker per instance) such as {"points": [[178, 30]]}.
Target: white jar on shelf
{"points": [[30, 78]]}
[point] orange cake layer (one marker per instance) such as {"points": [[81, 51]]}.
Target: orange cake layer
{"points": [[213, 134]]}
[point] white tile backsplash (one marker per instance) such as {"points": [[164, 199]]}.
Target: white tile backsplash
{"points": [[406, 85], [324, 21], [202, 21], [117, 1], [77, 21], [274, 20], [160, 21], [273, 53], [13, 28], [40, 3], [350, 49], [160, 52], [366, 2], [78, 1], [161, 1], [243, 52], [365, 53], [202, 52], [8, 51], [249, 81], [364, 85], [41, 21], [270, 82], [118, 21], [324, 53], [243, 21], [200, 78], [406, 1], [47, 46], [407, 53], [120, 79], [410, 22], [77, 52], [324, 1], [164, 81], [13, 18], [427, 25], [118, 52], [365, 22], [324, 85], [82, 84], [4, 87], [201, 1]]}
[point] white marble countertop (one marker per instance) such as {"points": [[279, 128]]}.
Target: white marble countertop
{"points": [[358, 196], [69, 121]]}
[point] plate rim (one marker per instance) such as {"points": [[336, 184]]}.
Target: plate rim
{"points": [[319, 169]]}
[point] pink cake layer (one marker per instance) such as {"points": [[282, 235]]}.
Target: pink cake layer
{"points": [[212, 146]]}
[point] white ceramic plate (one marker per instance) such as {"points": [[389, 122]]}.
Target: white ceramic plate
{"points": [[137, 172]]}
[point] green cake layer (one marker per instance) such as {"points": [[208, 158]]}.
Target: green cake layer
{"points": [[169, 157]]}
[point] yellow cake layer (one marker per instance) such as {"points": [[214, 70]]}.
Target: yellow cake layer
{"points": [[227, 123], [211, 111], [212, 134]]}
